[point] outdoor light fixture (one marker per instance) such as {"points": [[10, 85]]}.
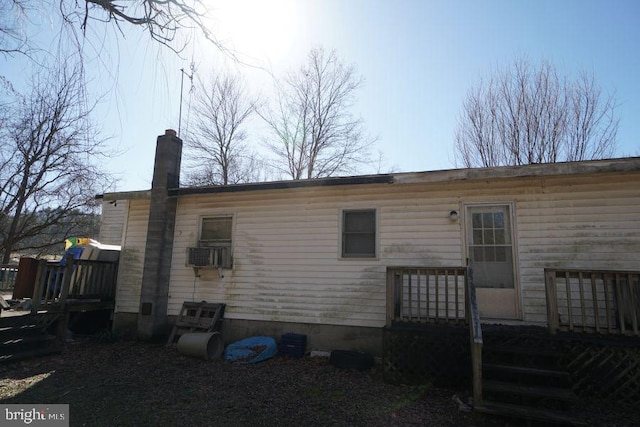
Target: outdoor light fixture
{"points": [[453, 216]]}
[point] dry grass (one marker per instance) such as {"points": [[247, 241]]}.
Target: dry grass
{"points": [[133, 383], [142, 384]]}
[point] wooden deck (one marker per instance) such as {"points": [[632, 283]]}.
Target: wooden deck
{"points": [[59, 291], [591, 347], [78, 285], [598, 301]]}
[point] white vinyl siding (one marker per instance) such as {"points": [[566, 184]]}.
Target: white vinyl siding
{"points": [[112, 221], [132, 257], [287, 243], [287, 257], [591, 224]]}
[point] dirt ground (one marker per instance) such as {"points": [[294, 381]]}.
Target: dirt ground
{"points": [[142, 384]]}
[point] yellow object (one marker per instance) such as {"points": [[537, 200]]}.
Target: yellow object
{"points": [[72, 242]]}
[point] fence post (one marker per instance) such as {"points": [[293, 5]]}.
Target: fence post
{"points": [[38, 288], [66, 281], [476, 360], [552, 300], [475, 337], [390, 296], [632, 304]]}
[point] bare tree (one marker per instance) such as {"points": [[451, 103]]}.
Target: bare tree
{"points": [[162, 19], [314, 133], [217, 149], [12, 38], [526, 115], [48, 175]]}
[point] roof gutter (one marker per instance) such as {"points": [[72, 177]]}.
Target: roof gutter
{"points": [[279, 185]]}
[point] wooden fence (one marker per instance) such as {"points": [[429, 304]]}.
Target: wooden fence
{"points": [[600, 301], [79, 284], [8, 273]]}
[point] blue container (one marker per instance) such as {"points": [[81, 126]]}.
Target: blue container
{"points": [[293, 345]]}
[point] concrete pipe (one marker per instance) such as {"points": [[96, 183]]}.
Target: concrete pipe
{"points": [[205, 345]]}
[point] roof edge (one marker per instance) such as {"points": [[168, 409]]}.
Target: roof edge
{"points": [[626, 164], [124, 195], [617, 165], [279, 185]]}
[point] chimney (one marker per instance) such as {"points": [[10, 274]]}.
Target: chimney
{"points": [[166, 169], [154, 294]]}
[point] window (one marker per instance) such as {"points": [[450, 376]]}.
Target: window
{"points": [[359, 233], [214, 246], [491, 237], [216, 231]]}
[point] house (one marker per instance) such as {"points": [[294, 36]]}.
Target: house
{"points": [[315, 256]]}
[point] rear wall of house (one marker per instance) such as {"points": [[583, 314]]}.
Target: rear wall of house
{"points": [[590, 223], [287, 243]]}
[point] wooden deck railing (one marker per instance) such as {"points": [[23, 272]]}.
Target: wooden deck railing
{"points": [[8, 273], [78, 280], [475, 337], [426, 295], [605, 302], [438, 295]]}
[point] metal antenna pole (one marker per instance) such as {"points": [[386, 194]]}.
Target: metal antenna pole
{"points": [[182, 74], [180, 114]]}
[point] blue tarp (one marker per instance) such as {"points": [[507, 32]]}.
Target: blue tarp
{"points": [[251, 350], [75, 251]]}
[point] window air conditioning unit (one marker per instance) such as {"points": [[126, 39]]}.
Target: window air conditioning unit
{"points": [[209, 257]]}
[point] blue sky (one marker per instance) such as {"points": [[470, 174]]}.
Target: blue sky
{"points": [[418, 58]]}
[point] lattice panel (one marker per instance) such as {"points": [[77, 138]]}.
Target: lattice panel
{"points": [[611, 373], [437, 353]]}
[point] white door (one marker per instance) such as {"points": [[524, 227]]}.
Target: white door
{"points": [[490, 252]]}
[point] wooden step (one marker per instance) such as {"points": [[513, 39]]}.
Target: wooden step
{"points": [[529, 351], [28, 320], [9, 332], [523, 370], [26, 343], [50, 349], [529, 413], [27, 339], [555, 393]]}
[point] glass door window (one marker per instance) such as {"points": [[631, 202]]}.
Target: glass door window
{"points": [[491, 246]]}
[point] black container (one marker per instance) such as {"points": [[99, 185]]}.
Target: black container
{"points": [[293, 345]]}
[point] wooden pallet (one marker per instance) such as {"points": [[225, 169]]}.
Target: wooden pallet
{"points": [[197, 317]]}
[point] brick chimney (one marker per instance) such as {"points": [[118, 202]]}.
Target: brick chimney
{"points": [[154, 295]]}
